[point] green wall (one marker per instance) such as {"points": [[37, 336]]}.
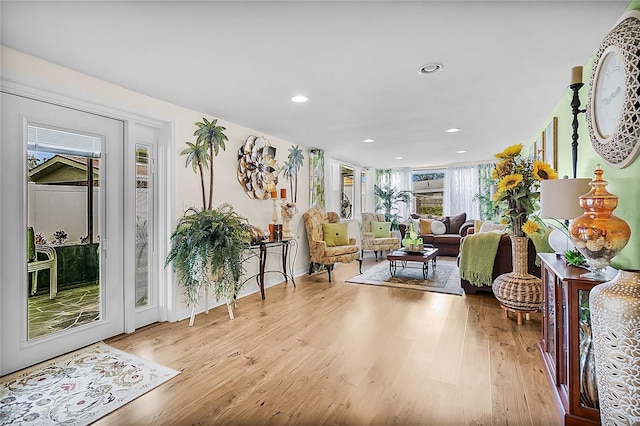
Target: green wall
{"points": [[625, 183]]}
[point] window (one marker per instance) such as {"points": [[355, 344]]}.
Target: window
{"points": [[428, 190], [347, 192]]}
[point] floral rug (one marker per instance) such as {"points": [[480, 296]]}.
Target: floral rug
{"points": [[444, 279], [78, 388]]}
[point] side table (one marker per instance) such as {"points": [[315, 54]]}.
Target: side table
{"points": [[261, 249]]}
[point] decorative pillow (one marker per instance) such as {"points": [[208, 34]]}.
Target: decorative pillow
{"points": [[425, 226], [416, 226], [477, 224], [335, 234], [381, 229], [446, 224], [455, 222], [491, 226], [438, 228]]}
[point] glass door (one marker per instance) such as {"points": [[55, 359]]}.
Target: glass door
{"points": [[62, 230], [147, 292]]}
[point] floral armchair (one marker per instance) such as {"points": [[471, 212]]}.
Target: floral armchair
{"points": [[319, 251], [369, 241]]}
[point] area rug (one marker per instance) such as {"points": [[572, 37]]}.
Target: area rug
{"points": [[445, 278], [78, 388]]}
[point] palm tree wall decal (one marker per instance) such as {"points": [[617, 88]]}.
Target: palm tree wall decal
{"points": [[210, 139], [291, 169]]}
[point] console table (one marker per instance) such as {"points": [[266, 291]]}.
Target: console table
{"points": [[261, 249], [566, 339]]}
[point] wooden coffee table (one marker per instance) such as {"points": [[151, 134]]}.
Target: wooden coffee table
{"points": [[428, 254]]}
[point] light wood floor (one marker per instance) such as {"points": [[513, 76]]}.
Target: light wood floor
{"points": [[345, 354]]}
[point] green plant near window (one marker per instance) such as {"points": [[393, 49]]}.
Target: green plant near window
{"points": [[432, 210], [208, 244], [387, 199]]}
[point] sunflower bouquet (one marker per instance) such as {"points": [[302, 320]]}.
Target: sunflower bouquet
{"points": [[519, 180]]}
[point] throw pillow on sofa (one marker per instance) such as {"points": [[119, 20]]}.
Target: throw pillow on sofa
{"points": [[416, 225], [491, 226], [425, 226], [432, 226], [438, 228], [381, 229], [455, 222]]}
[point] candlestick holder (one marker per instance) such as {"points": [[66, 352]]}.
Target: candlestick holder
{"points": [[274, 215], [575, 110]]}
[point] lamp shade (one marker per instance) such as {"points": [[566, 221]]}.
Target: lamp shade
{"points": [[560, 198]]}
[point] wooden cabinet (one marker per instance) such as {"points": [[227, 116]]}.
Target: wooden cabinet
{"points": [[566, 339]]}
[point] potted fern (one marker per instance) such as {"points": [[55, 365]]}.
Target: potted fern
{"points": [[208, 244], [387, 199]]}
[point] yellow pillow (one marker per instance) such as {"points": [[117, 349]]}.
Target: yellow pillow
{"points": [[425, 226], [477, 224], [335, 234]]}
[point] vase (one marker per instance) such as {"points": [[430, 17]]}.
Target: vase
{"points": [[615, 319], [598, 234], [518, 291], [588, 384]]}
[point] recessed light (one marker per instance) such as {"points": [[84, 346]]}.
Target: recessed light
{"points": [[430, 68], [462, 151], [299, 99], [368, 140], [452, 130], [398, 158]]}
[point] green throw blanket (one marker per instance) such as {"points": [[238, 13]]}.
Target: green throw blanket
{"points": [[477, 254]]}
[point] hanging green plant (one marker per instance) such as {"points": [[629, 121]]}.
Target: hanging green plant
{"points": [[208, 251]]}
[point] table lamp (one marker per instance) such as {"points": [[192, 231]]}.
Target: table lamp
{"points": [[560, 200]]}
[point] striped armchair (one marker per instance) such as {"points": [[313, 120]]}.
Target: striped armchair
{"points": [[367, 239], [319, 252]]}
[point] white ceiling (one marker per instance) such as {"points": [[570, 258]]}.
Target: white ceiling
{"points": [[506, 65]]}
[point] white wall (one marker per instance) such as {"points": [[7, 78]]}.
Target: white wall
{"points": [[54, 207], [40, 75]]}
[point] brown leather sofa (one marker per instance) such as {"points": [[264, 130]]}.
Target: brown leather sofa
{"points": [[448, 244], [503, 264]]}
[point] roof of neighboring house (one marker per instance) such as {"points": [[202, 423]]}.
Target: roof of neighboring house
{"points": [[66, 169], [63, 169]]}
